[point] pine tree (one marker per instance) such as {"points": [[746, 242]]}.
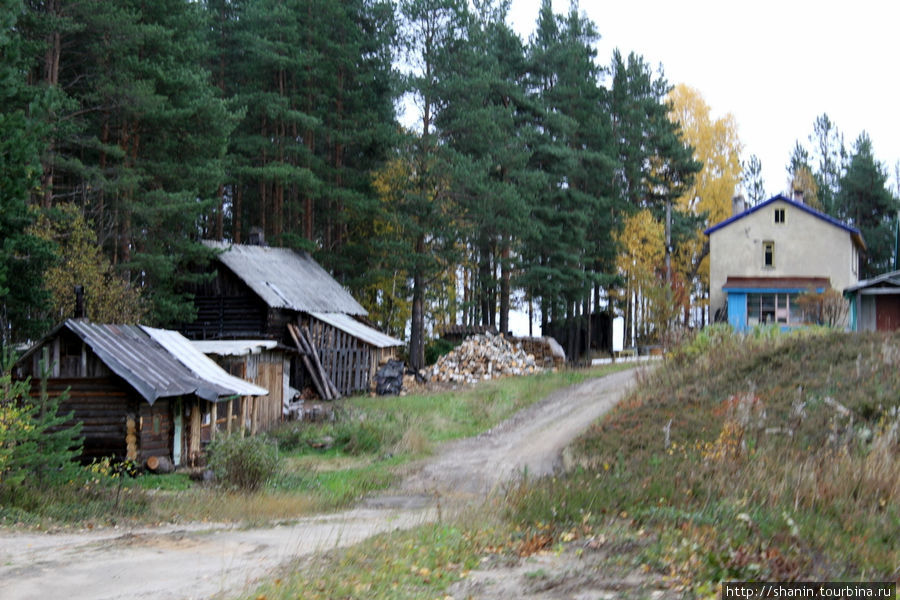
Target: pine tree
{"points": [[483, 125], [22, 256], [865, 202], [137, 132], [38, 445], [573, 212], [752, 180], [430, 30]]}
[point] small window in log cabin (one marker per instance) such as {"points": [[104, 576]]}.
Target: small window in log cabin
{"points": [[156, 425]]}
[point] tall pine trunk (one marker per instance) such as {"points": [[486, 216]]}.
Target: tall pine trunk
{"points": [[417, 326], [504, 287]]}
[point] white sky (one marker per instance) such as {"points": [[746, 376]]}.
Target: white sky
{"points": [[775, 66]]}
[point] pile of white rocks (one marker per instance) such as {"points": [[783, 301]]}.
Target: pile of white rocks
{"points": [[483, 357]]}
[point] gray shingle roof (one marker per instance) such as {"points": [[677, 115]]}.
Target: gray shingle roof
{"points": [[283, 278]]}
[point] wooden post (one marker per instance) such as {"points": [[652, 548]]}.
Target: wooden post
{"points": [[307, 362], [196, 421], [329, 383], [214, 416]]}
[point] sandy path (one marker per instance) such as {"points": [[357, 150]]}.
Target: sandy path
{"points": [[200, 561]]}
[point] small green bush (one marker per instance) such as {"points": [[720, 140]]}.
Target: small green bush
{"points": [[243, 463], [296, 436], [436, 349]]}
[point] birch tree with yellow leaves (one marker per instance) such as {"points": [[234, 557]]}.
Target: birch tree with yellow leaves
{"points": [[716, 144], [642, 252]]}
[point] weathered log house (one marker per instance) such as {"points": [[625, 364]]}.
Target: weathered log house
{"points": [[140, 393], [258, 291]]}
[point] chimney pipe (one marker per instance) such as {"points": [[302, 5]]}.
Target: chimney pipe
{"points": [[798, 195], [257, 237], [738, 205], [79, 301]]}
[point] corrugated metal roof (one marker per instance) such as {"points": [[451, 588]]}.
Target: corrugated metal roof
{"points": [[890, 279], [135, 357], [358, 330], [233, 347], [200, 364], [129, 352], [287, 279]]}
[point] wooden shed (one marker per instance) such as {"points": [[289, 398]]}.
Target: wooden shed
{"points": [[875, 303], [258, 292], [263, 362], [135, 396]]}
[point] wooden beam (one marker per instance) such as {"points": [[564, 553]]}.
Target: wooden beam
{"points": [[315, 357], [305, 352]]}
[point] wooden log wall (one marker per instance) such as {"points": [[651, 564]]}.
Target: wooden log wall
{"points": [[102, 405], [346, 359], [156, 429]]}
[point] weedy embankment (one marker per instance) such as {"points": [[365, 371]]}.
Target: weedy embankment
{"points": [[767, 457]]}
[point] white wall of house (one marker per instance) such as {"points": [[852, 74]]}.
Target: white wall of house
{"points": [[805, 246]]}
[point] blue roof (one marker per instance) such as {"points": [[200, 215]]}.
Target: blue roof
{"points": [[854, 233]]}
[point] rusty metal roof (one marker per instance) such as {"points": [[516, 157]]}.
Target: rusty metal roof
{"points": [[152, 370], [283, 278]]}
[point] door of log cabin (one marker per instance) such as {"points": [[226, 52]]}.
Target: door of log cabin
{"points": [[178, 419]]}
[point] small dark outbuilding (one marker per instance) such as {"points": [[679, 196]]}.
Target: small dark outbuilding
{"points": [[139, 392], [875, 303]]}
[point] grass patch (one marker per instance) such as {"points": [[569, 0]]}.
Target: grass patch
{"points": [[766, 457], [417, 563]]}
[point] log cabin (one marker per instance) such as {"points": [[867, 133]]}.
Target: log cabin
{"points": [[260, 292], [141, 393]]}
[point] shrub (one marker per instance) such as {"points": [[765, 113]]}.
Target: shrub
{"points": [[437, 348], [37, 444], [243, 463]]}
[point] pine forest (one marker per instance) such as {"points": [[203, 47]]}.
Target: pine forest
{"points": [[444, 169]]}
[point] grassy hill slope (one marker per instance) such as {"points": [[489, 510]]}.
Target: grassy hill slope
{"points": [[770, 457]]}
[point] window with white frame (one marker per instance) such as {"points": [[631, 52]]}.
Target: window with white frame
{"points": [[769, 254], [781, 308]]}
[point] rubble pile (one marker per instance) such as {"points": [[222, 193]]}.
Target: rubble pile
{"points": [[483, 357]]}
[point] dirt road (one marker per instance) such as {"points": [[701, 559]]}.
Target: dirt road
{"points": [[200, 561]]}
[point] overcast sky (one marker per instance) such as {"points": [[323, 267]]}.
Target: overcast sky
{"points": [[775, 65]]}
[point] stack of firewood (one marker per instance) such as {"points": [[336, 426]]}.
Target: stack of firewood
{"points": [[546, 350], [483, 357]]}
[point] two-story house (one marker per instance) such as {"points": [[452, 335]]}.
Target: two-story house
{"points": [[764, 257]]}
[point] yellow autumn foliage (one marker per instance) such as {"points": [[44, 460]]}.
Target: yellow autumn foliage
{"points": [[717, 145], [108, 297]]}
